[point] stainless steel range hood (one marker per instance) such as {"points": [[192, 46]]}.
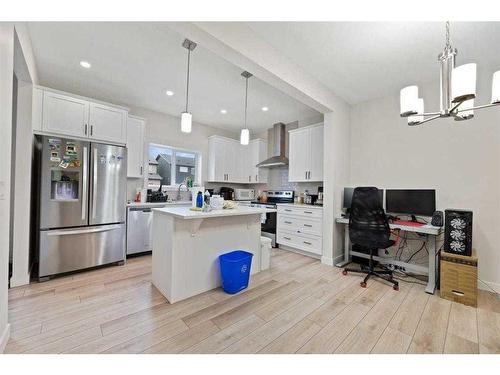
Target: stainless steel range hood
{"points": [[278, 159]]}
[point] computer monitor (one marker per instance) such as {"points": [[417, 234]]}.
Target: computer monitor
{"points": [[410, 202], [348, 192]]}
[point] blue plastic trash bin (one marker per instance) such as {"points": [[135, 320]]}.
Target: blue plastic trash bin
{"points": [[235, 270]]}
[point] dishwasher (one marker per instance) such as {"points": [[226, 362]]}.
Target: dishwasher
{"points": [[139, 230]]}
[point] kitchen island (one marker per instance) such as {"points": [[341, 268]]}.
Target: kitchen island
{"points": [[187, 244]]}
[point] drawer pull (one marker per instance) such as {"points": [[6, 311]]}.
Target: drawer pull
{"points": [[307, 243], [288, 222], [308, 212], [288, 210], [287, 238], [458, 293], [308, 225]]}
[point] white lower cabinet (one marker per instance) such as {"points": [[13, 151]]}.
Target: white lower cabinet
{"points": [[300, 227]]}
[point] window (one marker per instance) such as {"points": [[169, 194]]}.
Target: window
{"points": [[174, 166]]}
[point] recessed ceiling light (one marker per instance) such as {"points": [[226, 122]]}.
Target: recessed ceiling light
{"points": [[223, 111], [169, 93], [265, 109], [85, 64]]}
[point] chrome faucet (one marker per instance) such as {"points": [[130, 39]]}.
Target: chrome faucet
{"points": [[179, 190]]}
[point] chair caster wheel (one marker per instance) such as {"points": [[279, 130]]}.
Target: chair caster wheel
{"points": [[363, 284], [344, 272], [395, 287]]}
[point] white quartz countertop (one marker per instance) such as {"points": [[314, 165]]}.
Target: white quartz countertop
{"points": [[158, 204], [186, 213]]}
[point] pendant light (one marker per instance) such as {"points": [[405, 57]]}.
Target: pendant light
{"points": [[186, 117], [245, 133]]}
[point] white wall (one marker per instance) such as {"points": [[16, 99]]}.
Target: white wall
{"points": [[336, 172], [458, 159], [6, 82], [165, 129]]}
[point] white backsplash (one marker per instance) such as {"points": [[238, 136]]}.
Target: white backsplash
{"points": [[278, 180]]}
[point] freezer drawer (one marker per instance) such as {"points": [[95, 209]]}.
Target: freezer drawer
{"points": [[65, 250], [139, 230]]}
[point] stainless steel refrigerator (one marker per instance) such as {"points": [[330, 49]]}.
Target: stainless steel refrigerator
{"points": [[81, 204]]}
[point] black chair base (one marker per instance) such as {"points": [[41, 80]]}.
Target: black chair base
{"points": [[370, 271]]}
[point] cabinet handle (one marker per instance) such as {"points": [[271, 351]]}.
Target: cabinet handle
{"points": [[141, 170], [308, 212], [249, 178], [256, 177], [306, 175], [85, 129], [307, 243], [288, 222], [91, 130], [287, 238], [308, 225], [288, 210]]}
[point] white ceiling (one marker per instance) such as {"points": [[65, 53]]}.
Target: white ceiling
{"points": [[360, 61], [135, 63]]}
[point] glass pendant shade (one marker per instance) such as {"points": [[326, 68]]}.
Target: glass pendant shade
{"points": [[186, 121], [463, 82], [495, 88], [416, 119], [245, 137], [408, 100]]}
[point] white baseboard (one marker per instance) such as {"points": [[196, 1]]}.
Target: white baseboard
{"points": [[489, 286], [4, 338], [327, 260]]}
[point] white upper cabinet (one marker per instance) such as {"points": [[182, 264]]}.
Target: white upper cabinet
{"points": [[306, 154], [65, 114], [316, 166], [229, 161], [107, 123], [135, 146], [217, 150], [258, 153]]}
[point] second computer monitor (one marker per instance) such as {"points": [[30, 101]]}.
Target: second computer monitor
{"points": [[410, 202], [348, 192]]}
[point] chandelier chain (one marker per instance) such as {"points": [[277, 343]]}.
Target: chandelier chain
{"points": [[447, 34]]}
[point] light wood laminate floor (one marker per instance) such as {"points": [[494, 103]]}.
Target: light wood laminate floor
{"points": [[297, 306]]}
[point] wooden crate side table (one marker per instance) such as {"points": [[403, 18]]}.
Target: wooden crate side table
{"points": [[459, 278]]}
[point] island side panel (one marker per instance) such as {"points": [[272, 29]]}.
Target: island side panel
{"points": [[195, 251], [163, 235]]}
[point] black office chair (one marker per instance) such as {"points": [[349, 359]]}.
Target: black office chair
{"points": [[369, 227]]}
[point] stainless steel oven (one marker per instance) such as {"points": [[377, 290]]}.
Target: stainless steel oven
{"points": [[268, 221]]}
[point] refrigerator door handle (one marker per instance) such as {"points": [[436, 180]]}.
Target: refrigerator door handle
{"points": [[65, 232], [84, 183], [94, 190]]}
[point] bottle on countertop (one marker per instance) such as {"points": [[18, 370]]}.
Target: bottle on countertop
{"points": [[199, 200], [137, 197]]}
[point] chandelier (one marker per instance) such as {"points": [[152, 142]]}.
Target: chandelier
{"points": [[458, 91]]}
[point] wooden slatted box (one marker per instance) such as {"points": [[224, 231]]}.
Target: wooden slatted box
{"points": [[459, 278]]}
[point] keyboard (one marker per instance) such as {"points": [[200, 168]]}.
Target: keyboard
{"points": [[407, 223]]}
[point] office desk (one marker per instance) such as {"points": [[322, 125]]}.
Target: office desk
{"points": [[429, 230]]}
